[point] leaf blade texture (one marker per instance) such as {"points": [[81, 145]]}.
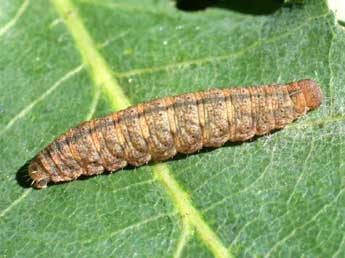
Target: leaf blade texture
{"points": [[63, 62]]}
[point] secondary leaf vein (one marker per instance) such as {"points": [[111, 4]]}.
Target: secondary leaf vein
{"points": [[13, 21], [16, 202], [29, 107], [210, 59]]}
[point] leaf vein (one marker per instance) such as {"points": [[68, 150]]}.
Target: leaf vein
{"points": [[29, 107], [211, 59], [339, 249], [299, 179], [15, 202], [293, 232], [187, 231], [150, 181], [102, 76], [14, 20]]}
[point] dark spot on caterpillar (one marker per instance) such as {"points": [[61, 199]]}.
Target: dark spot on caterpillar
{"points": [[149, 131]]}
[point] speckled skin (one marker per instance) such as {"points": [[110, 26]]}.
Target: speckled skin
{"points": [[158, 129]]}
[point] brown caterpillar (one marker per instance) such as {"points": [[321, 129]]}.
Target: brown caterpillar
{"points": [[158, 129]]}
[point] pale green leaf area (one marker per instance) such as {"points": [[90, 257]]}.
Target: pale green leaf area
{"points": [[66, 61]]}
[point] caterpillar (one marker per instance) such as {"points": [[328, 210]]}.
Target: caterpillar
{"points": [[158, 129]]}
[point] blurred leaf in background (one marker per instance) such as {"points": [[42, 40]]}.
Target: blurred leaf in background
{"points": [[65, 61]]}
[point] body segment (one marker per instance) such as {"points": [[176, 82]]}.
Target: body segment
{"points": [[158, 129]]}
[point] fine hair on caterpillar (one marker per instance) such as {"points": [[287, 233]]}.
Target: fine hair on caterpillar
{"points": [[158, 129]]}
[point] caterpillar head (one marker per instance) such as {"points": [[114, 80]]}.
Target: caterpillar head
{"points": [[312, 93], [39, 177]]}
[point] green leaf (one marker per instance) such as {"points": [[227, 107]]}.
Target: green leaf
{"points": [[66, 61]]}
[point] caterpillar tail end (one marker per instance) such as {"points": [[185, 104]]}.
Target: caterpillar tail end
{"points": [[312, 93]]}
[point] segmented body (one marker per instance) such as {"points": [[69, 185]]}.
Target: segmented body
{"points": [[158, 129]]}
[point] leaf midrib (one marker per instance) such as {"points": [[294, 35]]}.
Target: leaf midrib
{"points": [[102, 77]]}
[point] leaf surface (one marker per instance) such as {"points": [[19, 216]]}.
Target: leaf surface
{"points": [[66, 61]]}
